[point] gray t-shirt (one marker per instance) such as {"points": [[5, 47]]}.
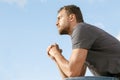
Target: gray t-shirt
{"points": [[103, 49]]}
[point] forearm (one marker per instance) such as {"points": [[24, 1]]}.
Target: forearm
{"points": [[61, 72], [83, 71], [70, 68], [63, 64]]}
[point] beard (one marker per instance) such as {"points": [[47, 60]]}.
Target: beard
{"points": [[63, 28], [63, 31]]}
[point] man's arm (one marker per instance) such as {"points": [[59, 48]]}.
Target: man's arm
{"points": [[74, 66], [83, 70], [60, 50], [61, 72]]}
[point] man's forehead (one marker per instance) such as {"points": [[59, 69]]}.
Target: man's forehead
{"points": [[58, 15], [62, 12]]}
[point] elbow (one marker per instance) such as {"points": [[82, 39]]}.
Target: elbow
{"points": [[73, 73]]}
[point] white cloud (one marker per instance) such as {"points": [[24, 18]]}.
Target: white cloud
{"points": [[20, 3], [94, 1]]}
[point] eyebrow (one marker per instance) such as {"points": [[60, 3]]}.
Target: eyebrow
{"points": [[58, 17]]}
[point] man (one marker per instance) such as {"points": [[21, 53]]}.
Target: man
{"points": [[92, 47]]}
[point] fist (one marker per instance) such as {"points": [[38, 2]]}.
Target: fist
{"points": [[53, 49]]}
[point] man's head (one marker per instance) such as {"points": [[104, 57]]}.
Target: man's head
{"points": [[73, 9], [68, 16]]}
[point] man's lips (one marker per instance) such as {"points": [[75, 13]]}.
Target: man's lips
{"points": [[58, 27]]}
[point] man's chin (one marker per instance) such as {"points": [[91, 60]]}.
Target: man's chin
{"points": [[62, 33]]}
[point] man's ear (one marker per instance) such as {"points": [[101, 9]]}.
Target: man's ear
{"points": [[72, 17]]}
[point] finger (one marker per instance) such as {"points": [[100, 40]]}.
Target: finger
{"points": [[51, 57], [57, 45], [60, 50], [49, 47]]}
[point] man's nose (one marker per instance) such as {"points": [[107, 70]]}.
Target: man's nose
{"points": [[57, 23]]}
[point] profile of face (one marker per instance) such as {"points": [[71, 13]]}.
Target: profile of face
{"points": [[63, 23]]}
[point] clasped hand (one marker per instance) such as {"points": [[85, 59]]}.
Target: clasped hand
{"points": [[53, 49]]}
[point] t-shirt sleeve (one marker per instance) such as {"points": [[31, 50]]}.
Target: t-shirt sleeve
{"points": [[83, 37]]}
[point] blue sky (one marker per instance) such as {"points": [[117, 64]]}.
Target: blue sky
{"points": [[27, 28]]}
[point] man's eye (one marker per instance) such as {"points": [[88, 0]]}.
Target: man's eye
{"points": [[58, 18]]}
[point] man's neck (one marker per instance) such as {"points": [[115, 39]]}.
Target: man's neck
{"points": [[73, 26]]}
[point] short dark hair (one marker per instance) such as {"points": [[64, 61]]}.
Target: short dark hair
{"points": [[73, 9]]}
